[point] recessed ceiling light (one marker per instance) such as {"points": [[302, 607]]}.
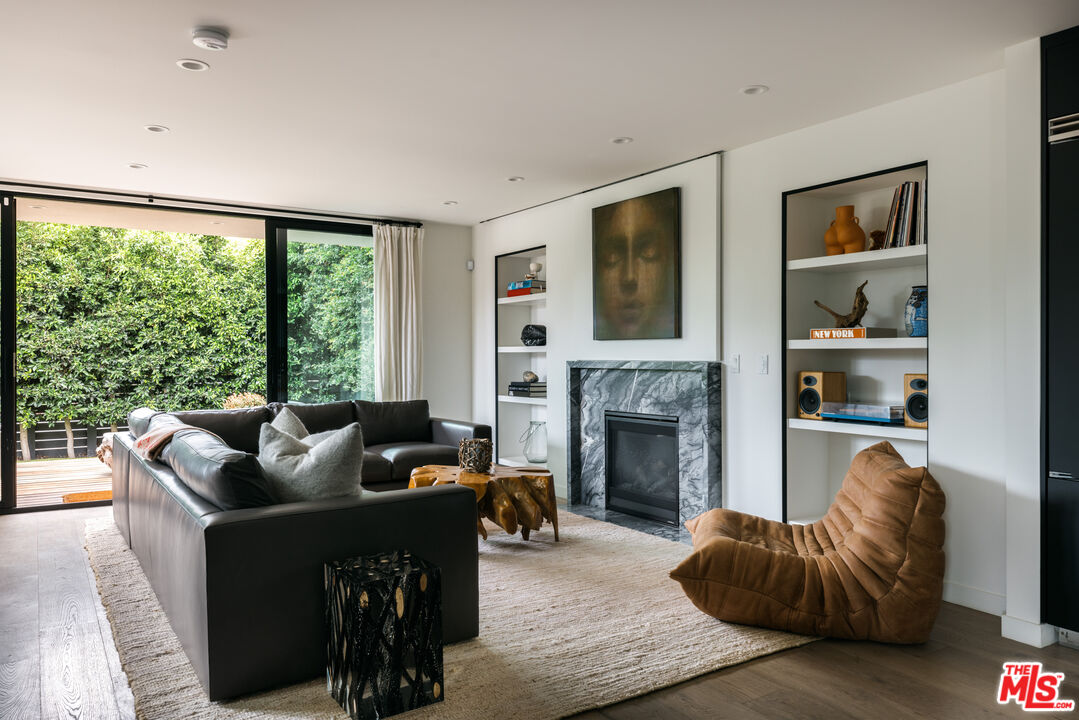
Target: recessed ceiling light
{"points": [[192, 64], [623, 140], [156, 128], [449, 202], [137, 166], [37, 207], [210, 38], [216, 222], [754, 90], [515, 178]]}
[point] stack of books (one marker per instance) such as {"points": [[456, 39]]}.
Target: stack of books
{"points": [[906, 219], [528, 389], [526, 287]]}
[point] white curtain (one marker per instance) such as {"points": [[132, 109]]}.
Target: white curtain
{"points": [[398, 332]]}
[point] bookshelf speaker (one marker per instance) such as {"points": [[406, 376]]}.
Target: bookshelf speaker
{"points": [[816, 387], [916, 406]]}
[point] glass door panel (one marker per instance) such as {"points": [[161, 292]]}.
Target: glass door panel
{"points": [[329, 314]]}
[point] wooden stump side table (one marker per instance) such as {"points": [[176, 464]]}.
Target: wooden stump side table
{"points": [[511, 497]]}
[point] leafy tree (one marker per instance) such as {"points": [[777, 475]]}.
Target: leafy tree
{"points": [[330, 322], [110, 319]]}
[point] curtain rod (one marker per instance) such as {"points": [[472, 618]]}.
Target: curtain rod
{"points": [[179, 203]]}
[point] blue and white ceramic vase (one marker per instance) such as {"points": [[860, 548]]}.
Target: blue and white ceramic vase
{"points": [[916, 312]]}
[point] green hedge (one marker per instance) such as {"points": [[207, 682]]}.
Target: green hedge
{"points": [[111, 319]]}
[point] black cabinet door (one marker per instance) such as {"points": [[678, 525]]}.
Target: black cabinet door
{"points": [[1062, 75], [1062, 308], [1061, 580]]}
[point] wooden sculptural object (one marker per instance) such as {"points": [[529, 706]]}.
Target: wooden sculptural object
{"points": [[854, 317]]}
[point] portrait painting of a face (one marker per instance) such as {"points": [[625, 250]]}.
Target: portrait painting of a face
{"points": [[636, 269]]}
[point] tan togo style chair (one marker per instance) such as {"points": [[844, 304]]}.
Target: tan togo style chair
{"points": [[871, 569]]}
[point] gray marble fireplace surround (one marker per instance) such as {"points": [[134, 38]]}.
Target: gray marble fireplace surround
{"points": [[689, 391]]}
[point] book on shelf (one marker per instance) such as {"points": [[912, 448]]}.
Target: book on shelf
{"points": [[524, 291], [906, 225], [518, 284], [526, 393], [854, 333], [525, 384]]}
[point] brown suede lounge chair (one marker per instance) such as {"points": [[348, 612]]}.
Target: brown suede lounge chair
{"points": [[871, 569]]}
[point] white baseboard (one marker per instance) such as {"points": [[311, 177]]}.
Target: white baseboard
{"points": [[1027, 632], [973, 598]]}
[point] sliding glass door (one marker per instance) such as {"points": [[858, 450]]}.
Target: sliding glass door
{"points": [[324, 324], [7, 352], [109, 307]]}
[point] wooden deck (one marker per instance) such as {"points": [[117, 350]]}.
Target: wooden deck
{"points": [[45, 482]]}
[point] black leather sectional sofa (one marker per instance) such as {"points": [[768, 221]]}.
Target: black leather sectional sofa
{"points": [[240, 578]]}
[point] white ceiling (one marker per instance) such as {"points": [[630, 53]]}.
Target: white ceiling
{"points": [[391, 108]]}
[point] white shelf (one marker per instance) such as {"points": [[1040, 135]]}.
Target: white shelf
{"points": [[534, 299], [896, 343], [519, 461], [522, 400], [911, 256], [847, 428], [521, 349]]}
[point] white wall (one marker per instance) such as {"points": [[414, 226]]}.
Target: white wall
{"points": [[565, 227], [447, 320], [1022, 361], [959, 130]]}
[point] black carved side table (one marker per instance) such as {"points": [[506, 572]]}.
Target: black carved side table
{"points": [[384, 620]]}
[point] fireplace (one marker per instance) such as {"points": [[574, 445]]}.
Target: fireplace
{"points": [[642, 465]]}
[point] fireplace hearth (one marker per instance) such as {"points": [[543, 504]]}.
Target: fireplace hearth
{"points": [[642, 465]]}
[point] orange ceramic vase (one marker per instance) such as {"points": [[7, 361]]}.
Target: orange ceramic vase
{"points": [[831, 242], [848, 231]]}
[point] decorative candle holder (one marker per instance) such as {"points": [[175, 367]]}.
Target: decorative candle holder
{"points": [[474, 455]]}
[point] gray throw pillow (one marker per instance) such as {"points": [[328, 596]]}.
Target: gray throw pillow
{"points": [[298, 471]]}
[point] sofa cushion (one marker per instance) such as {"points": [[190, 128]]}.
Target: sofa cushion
{"points": [[297, 471], [376, 469], [393, 422], [321, 417], [404, 456], [239, 428], [229, 478]]}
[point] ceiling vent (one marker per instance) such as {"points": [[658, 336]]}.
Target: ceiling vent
{"points": [[1064, 128]]}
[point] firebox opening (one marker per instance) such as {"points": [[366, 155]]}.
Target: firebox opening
{"points": [[642, 465]]}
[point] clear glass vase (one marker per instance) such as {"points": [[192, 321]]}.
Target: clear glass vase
{"points": [[535, 442]]}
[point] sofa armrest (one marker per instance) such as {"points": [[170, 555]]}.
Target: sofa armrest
{"points": [[264, 570], [451, 432]]}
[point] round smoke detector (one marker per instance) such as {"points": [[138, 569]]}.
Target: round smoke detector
{"points": [[210, 38]]}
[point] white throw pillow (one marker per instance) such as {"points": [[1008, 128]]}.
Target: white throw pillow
{"points": [[287, 422], [297, 471]]}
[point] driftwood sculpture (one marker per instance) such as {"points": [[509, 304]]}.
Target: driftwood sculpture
{"points": [[854, 317]]}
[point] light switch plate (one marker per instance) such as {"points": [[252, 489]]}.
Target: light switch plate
{"points": [[762, 365]]}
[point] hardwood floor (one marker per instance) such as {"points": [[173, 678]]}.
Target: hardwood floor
{"points": [[46, 482], [57, 658]]}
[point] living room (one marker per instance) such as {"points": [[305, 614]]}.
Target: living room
{"points": [[503, 162]]}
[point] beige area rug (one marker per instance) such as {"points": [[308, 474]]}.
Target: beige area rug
{"points": [[564, 627]]}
